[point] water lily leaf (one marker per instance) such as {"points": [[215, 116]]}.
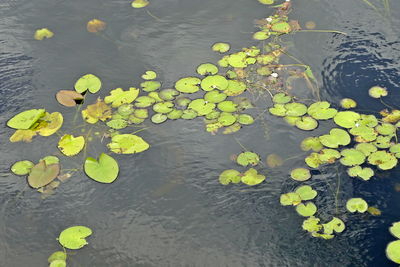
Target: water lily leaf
{"points": [[229, 176], [265, 71], [40, 34], [58, 255], [295, 109], [281, 27], [105, 170], [201, 106], [74, 237], [312, 224], [58, 263], [313, 160], [368, 120], [377, 92], [175, 114], [311, 143], [150, 86], [346, 119], [278, 110], [213, 115], [328, 155], [321, 111], [221, 47], [117, 124], [134, 120], [22, 167], [70, 145], [382, 159], [374, 211], [348, 103], [300, 174], [51, 160], [364, 133], [393, 251], [168, 94], [214, 82], [149, 75], [49, 124], [238, 60], [261, 35], [335, 225], [22, 136], [119, 97], [352, 157], [159, 118], [125, 110], [243, 103], [95, 112], [227, 106], [95, 25], [156, 96], [392, 117], [395, 149], [227, 119], [25, 119], [42, 174], [184, 101], [252, 51], [248, 158], [395, 229], [306, 209], [366, 148], [215, 96], [188, 85], [251, 177], [144, 101], [163, 107], [88, 82], [245, 119], [207, 69], [230, 74], [281, 98], [274, 160], [306, 123], [356, 204], [266, 59], [363, 173], [335, 138], [68, 97], [127, 144], [306, 192], [383, 141], [189, 114], [232, 128], [386, 129], [290, 199], [235, 88], [213, 127]]}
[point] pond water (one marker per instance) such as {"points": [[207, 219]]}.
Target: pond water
{"points": [[167, 207]]}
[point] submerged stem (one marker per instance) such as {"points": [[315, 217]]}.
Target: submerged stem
{"points": [[326, 31]]}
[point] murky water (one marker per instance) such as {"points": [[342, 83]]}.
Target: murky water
{"points": [[167, 207]]}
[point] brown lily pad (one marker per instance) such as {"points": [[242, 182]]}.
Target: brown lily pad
{"points": [[68, 97], [42, 174]]}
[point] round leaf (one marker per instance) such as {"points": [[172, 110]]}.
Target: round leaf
{"points": [[357, 204], [88, 82], [42, 174], [25, 119], [22, 167], [70, 145], [105, 170], [300, 174], [74, 237], [127, 144]]}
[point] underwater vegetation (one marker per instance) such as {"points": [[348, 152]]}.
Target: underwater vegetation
{"points": [[225, 96]]}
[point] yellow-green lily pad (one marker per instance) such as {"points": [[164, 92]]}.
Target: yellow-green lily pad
{"points": [[229, 176], [306, 192], [377, 92], [188, 85], [311, 143], [22, 167], [149, 75], [70, 145], [321, 111], [227, 106], [150, 86], [88, 82], [393, 251], [306, 123], [348, 103], [207, 69], [252, 177], [105, 170], [221, 47], [119, 97], [290, 199], [382, 159], [248, 158], [352, 157], [127, 144], [356, 205], [306, 209], [346, 119], [300, 174], [201, 106], [215, 96], [74, 237], [335, 138], [281, 98], [25, 119]]}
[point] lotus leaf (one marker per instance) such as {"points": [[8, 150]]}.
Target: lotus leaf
{"points": [[348, 103], [74, 237], [119, 97], [377, 92], [22, 136], [281, 98], [149, 75], [207, 69], [251, 177], [395, 149], [95, 112], [105, 170], [278, 110], [70, 145], [227, 106], [335, 138], [22, 167], [364, 133], [321, 111], [150, 86], [58, 263], [366, 148], [117, 124], [168, 94], [68, 97], [232, 128], [313, 160], [229, 176], [139, 3], [386, 129], [51, 160], [368, 120], [88, 82], [40, 34], [127, 144], [221, 47], [311, 143], [215, 96], [49, 124], [261, 35], [393, 251], [295, 109], [346, 119], [213, 115], [163, 107], [144, 101], [125, 110], [175, 114], [266, 59], [188, 85], [289, 199], [189, 114], [274, 160], [395, 229], [328, 155], [245, 119], [312, 224], [306, 192], [306, 209], [335, 225], [25, 119], [300, 174], [201, 106], [352, 157], [363, 173], [382, 159], [58, 255], [235, 88], [248, 158], [281, 27], [238, 60], [357, 204], [382, 141], [306, 123], [42, 174], [95, 25]]}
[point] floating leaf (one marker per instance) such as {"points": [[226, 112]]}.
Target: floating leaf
{"points": [[306, 209], [227, 106], [70, 145], [42, 174], [238, 60], [117, 124], [235, 88], [357, 204], [168, 94], [321, 111], [300, 174], [251, 177], [58, 255], [278, 110], [227, 119], [105, 170], [58, 263], [213, 115], [313, 160], [295, 109], [125, 110], [68, 97], [95, 25], [201, 106], [368, 120], [221, 47], [346, 119], [88, 82], [159, 118], [207, 69], [335, 138], [395, 229], [311, 143], [163, 107], [392, 117], [74, 237], [383, 160], [281, 27], [393, 251], [306, 123], [281, 98], [144, 101], [229, 176], [352, 157], [306, 192], [188, 85], [366, 148], [215, 96], [149, 75], [127, 144], [49, 124], [273, 160], [22, 136], [150, 86], [248, 158], [374, 211], [245, 119], [289, 199], [261, 35], [189, 114], [364, 133], [40, 34], [51, 160], [382, 141], [363, 173], [312, 224], [119, 97], [335, 225], [214, 82], [328, 155], [386, 129], [175, 114], [25, 119], [348, 103], [377, 92], [22, 167], [140, 3], [395, 149], [95, 112]]}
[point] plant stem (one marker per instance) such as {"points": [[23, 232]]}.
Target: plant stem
{"points": [[326, 31]]}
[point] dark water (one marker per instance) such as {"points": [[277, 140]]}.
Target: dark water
{"points": [[167, 207]]}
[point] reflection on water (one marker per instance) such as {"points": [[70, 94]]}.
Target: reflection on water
{"points": [[167, 207]]}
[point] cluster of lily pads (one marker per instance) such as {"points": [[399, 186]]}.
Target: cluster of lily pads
{"points": [[393, 248]]}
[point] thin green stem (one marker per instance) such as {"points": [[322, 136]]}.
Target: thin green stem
{"points": [[326, 31], [337, 191]]}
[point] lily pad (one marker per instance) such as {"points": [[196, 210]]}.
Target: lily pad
{"points": [[58, 263], [364, 133], [334, 225], [163, 107], [306, 209], [393, 251], [311, 143], [382, 159], [281, 27], [295, 109], [261, 35], [22, 136], [95, 112], [321, 111], [312, 224], [232, 128], [346, 119], [213, 115], [215, 96], [281, 98], [117, 124], [22, 167], [386, 129], [366, 148], [248, 158], [70, 145], [214, 82], [25, 119], [88, 82], [306, 192], [150, 86], [278, 110], [149, 75], [335, 138], [383, 141], [395, 229], [74, 237], [227, 106], [348, 103], [105, 170], [144, 101], [201, 106], [229, 176], [119, 97], [235, 88], [356, 204], [226, 119], [40, 34], [306, 123], [352, 157], [395, 149], [188, 85], [68, 97], [290, 199], [95, 25], [328, 155], [238, 60], [252, 177], [377, 92], [125, 110], [368, 120], [51, 160], [245, 119], [168, 94], [266, 2], [189, 114], [313, 160], [49, 124], [221, 47], [58, 255], [175, 114], [127, 144], [300, 174], [207, 69], [363, 173], [42, 174], [159, 118]]}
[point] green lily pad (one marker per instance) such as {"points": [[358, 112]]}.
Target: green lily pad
{"points": [[159, 118], [393, 251], [363, 173], [119, 97], [144, 101], [58, 263], [22, 167], [368, 120], [117, 124], [352, 157], [348, 103], [229, 176], [125, 110], [266, 59], [291, 120], [134, 120], [150, 86], [188, 85], [201, 106], [74, 237], [58, 255], [51, 160], [227, 106], [364, 133], [395, 149], [366, 148], [49, 123], [207, 69], [230, 74], [306, 192], [334, 225], [266, 2], [321, 111], [300, 174], [261, 35], [139, 3], [306, 123], [184, 101], [227, 119], [386, 129], [25, 119], [175, 114], [168, 94], [306, 209], [281, 98], [311, 143], [221, 47], [156, 96], [214, 82], [163, 107], [383, 141], [356, 204], [346, 119], [127, 144], [313, 160], [295, 109], [395, 229], [311, 224], [382, 159], [88, 82], [392, 117], [42, 174], [235, 88], [377, 92], [215, 96], [290, 199], [238, 60], [189, 114], [70, 145], [105, 170], [252, 177], [248, 158], [149, 75], [281, 27], [278, 110], [328, 155], [335, 138], [245, 119], [213, 115]]}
